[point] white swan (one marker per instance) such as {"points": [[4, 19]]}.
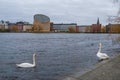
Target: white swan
{"points": [[28, 65], [100, 55]]}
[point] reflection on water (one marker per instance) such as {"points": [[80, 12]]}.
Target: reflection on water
{"points": [[58, 55]]}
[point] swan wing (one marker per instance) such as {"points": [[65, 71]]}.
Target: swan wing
{"points": [[25, 65], [104, 56]]}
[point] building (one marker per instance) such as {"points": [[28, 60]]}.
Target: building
{"points": [[4, 26], [16, 27], [113, 28], [83, 28], [12, 27], [103, 29], [41, 23], [27, 28], [64, 27], [19, 26], [96, 28]]}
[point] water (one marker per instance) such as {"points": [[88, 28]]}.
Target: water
{"points": [[58, 54]]}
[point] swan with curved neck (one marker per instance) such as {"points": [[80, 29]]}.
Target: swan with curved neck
{"points": [[28, 65], [101, 55]]}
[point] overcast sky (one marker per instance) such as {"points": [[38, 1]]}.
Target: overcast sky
{"points": [[82, 12]]}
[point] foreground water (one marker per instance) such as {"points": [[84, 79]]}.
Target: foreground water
{"points": [[58, 55]]}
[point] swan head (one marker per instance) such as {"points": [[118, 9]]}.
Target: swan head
{"points": [[100, 44], [34, 54]]}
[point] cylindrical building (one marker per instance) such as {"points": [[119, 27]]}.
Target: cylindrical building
{"points": [[41, 23]]}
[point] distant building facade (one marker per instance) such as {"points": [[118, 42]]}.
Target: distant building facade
{"points": [[12, 27], [64, 27], [113, 28], [4, 26], [96, 28], [27, 28], [41, 23], [83, 28], [19, 26]]}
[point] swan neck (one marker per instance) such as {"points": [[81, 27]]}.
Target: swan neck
{"points": [[99, 49], [34, 60]]}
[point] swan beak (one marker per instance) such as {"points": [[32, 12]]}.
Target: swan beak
{"points": [[34, 54]]}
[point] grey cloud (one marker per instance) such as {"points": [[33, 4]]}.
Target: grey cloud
{"points": [[79, 11]]}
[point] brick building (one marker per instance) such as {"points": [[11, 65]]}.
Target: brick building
{"points": [[96, 28]]}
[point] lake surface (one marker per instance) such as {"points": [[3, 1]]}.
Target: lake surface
{"points": [[58, 54]]}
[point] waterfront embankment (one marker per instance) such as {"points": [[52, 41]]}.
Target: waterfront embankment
{"points": [[107, 70]]}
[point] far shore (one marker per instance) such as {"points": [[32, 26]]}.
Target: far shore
{"points": [[64, 32]]}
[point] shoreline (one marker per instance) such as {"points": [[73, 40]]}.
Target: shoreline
{"points": [[105, 70], [68, 32]]}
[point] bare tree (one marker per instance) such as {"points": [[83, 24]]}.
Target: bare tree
{"points": [[115, 19]]}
